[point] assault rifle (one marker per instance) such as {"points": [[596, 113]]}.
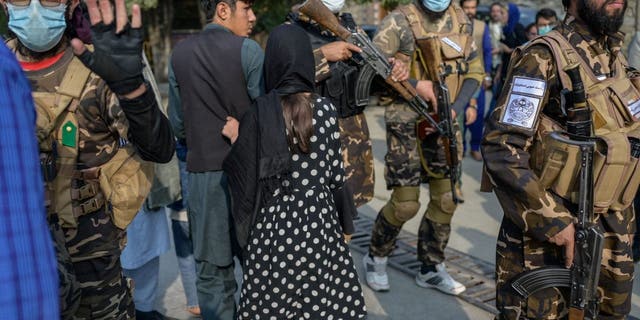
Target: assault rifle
{"points": [[437, 71], [374, 62], [582, 278]]}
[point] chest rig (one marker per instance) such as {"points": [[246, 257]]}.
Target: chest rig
{"points": [[120, 185], [615, 104], [349, 85], [455, 46]]}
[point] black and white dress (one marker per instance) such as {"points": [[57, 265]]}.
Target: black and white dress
{"points": [[297, 264]]}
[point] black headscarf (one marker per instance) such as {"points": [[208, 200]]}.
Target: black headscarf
{"points": [[288, 64], [260, 158]]}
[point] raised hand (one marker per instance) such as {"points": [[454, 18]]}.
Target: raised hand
{"points": [[117, 57]]}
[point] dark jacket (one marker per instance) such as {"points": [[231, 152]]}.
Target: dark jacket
{"points": [[208, 69]]}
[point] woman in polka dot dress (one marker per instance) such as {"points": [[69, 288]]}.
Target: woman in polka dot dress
{"points": [[297, 264]]}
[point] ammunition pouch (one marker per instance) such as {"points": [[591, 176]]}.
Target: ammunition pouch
{"points": [[121, 184], [342, 88], [615, 171], [125, 181], [615, 105]]}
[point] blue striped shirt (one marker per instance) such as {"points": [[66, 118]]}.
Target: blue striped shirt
{"points": [[28, 273]]}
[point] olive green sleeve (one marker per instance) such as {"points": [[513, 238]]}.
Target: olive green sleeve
{"points": [[394, 35]]}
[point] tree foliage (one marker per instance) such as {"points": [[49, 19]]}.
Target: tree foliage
{"points": [[271, 13]]}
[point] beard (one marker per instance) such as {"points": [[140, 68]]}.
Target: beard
{"points": [[597, 18]]}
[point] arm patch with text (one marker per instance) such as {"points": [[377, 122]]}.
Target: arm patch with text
{"points": [[524, 102]]}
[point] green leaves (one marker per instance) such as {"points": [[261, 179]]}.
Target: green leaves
{"points": [[271, 13]]}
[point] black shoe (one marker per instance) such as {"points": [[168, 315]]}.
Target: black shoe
{"points": [[149, 315]]}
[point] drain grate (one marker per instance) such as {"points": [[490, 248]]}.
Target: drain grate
{"points": [[477, 275]]}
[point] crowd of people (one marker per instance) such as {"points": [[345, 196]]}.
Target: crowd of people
{"points": [[263, 156]]}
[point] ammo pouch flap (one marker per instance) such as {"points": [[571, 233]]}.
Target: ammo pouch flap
{"points": [[341, 89], [615, 176], [615, 171], [125, 181]]}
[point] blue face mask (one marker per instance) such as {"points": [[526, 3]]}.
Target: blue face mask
{"points": [[436, 5], [544, 30], [38, 28]]}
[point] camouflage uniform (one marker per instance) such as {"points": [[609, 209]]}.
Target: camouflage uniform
{"points": [[69, 289], [403, 171], [354, 132], [533, 215], [91, 240]]}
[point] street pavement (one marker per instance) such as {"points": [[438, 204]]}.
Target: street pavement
{"points": [[474, 229]]}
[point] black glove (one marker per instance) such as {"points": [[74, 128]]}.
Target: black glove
{"points": [[117, 57]]}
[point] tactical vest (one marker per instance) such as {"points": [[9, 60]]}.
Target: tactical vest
{"points": [[455, 45], [615, 102], [121, 184], [341, 86]]}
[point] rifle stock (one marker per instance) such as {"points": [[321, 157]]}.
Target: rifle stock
{"points": [[430, 47], [576, 314], [319, 13]]}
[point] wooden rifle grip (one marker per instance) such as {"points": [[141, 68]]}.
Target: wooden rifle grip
{"points": [[576, 314], [404, 88]]}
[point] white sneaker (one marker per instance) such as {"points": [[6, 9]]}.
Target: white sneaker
{"points": [[376, 270], [440, 280]]}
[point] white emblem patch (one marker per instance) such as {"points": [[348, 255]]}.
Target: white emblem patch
{"points": [[521, 111], [524, 102]]}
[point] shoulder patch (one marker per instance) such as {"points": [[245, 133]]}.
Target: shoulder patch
{"points": [[524, 102]]}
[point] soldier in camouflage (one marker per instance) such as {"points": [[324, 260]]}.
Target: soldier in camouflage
{"points": [[335, 77], [537, 229], [409, 163], [110, 107]]}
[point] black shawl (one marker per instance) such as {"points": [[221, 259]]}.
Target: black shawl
{"points": [[260, 157]]}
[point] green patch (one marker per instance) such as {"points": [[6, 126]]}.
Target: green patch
{"points": [[69, 131]]}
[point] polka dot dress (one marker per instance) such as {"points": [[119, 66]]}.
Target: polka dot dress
{"points": [[297, 264]]}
